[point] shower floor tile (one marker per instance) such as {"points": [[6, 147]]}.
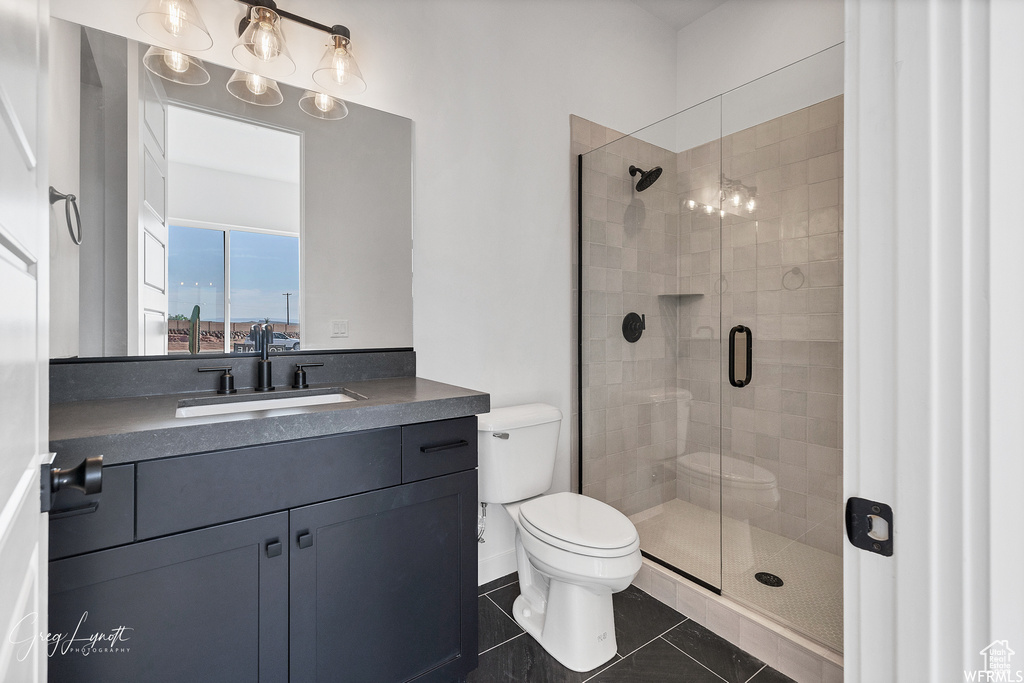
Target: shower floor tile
{"points": [[688, 536]]}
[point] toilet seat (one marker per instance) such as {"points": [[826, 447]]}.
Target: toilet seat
{"points": [[579, 525]]}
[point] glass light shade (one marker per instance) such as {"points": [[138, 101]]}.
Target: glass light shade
{"points": [[175, 66], [255, 89], [337, 73], [176, 23], [322, 106], [261, 48]]}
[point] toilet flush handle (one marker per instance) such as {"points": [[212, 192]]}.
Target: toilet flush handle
{"points": [[500, 435]]}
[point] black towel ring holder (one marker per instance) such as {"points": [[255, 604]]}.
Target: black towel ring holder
{"points": [[69, 201]]}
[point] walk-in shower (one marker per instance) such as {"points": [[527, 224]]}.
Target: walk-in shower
{"points": [[717, 430]]}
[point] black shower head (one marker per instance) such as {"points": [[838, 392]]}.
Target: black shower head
{"points": [[647, 178]]}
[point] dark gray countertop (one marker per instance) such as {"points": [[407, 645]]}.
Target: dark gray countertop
{"points": [[126, 430]]}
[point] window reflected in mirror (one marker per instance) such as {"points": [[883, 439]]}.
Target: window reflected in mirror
{"points": [[234, 275]]}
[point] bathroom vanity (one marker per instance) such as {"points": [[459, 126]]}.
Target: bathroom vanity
{"points": [[330, 542]]}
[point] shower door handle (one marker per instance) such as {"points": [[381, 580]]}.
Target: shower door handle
{"points": [[741, 359]]}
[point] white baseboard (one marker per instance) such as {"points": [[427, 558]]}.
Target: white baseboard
{"points": [[491, 568]]}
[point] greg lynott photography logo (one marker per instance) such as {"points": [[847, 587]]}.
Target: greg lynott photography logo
{"points": [[80, 641], [997, 666]]}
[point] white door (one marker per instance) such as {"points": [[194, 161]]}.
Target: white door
{"points": [[934, 413], [147, 273], [23, 359]]}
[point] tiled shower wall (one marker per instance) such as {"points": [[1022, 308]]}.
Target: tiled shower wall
{"points": [[630, 243], [781, 275]]}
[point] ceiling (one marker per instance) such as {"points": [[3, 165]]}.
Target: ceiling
{"points": [[678, 13]]}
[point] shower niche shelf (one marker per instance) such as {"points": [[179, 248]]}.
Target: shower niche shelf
{"points": [[681, 295]]}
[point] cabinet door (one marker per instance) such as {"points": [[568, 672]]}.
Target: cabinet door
{"points": [[383, 584], [208, 605]]}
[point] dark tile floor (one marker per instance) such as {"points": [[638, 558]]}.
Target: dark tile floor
{"points": [[655, 643]]}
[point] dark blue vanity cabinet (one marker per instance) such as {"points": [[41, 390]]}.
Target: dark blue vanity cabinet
{"points": [[343, 558], [205, 605]]}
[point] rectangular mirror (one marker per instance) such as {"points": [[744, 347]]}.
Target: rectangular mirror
{"points": [[191, 198]]}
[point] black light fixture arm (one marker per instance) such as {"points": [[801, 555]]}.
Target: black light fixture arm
{"points": [[336, 30]]}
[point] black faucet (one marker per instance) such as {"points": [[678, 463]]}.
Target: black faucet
{"points": [[263, 335]]}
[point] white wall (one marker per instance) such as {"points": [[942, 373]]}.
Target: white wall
{"points": [[745, 39]]}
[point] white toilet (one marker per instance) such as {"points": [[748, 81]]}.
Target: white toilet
{"points": [[572, 552], [747, 490]]}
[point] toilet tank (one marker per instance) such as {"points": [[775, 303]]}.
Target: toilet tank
{"points": [[517, 451]]}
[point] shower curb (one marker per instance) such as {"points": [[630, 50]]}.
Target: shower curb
{"points": [[777, 646]]}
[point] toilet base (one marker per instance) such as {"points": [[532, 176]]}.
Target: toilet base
{"points": [[577, 627]]}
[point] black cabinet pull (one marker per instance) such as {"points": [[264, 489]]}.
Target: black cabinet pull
{"points": [[748, 364], [75, 511], [444, 447], [305, 539]]}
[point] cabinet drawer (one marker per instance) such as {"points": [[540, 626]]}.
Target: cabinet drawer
{"points": [[81, 523], [431, 449], [177, 494]]}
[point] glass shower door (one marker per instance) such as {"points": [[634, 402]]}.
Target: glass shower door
{"points": [[782, 193], [650, 344]]}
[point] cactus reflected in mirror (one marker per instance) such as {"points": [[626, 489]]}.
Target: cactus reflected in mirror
{"points": [[193, 331]]}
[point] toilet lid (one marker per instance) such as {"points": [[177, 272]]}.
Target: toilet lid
{"points": [[578, 521]]}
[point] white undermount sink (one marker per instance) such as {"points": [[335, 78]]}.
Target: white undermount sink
{"points": [[226, 407]]}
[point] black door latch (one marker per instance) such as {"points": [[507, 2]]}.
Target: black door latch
{"points": [[869, 525]]}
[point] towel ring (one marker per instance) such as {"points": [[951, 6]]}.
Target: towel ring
{"points": [[796, 273], [69, 201]]}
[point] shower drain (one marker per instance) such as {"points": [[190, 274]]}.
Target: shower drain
{"points": [[768, 579]]}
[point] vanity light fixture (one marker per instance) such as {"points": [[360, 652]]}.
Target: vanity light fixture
{"points": [[337, 71], [260, 50], [176, 66], [736, 194], [261, 47], [322, 106], [175, 23], [732, 195], [255, 89]]}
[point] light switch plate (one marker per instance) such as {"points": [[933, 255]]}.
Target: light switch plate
{"points": [[339, 328]]}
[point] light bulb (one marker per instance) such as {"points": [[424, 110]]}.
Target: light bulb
{"points": [[708, 209], [339, 65], [722, 213], [176, 61], [751, 205], [691, 205], [323, 102], [736, 199], [257, 84], [175, 20], [264, 42]]}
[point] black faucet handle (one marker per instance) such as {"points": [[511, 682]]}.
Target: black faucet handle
{"points": [[227, 380], [300, 374]]}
